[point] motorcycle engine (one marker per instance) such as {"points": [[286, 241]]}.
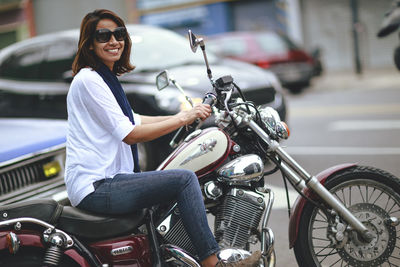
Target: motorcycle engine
{"points": [[240, 214], [236, 220]]}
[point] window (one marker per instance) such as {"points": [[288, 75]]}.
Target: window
{"points": [[58, 62], [23, 64]]}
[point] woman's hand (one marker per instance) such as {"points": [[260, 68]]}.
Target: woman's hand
{"points": [[202, 111], [152, 128]]}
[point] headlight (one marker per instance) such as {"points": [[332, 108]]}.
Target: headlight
{"points": [[241, 170]]}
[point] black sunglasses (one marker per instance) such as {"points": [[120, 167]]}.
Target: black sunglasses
{"points": [[104, 35]]}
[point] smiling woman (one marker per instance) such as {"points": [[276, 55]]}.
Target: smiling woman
{"points": [[102, 167]]}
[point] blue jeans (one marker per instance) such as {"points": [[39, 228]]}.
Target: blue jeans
{"points": [[129, 192]]}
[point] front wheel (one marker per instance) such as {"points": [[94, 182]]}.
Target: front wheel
{"points": [[373, 196]]}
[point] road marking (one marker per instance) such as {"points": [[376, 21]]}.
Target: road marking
{"points": [[321, 150], [319, 111], [352, 125]]}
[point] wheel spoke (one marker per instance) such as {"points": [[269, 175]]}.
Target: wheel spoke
{"points": [[340, 259], [350, 195], [387, 203], [322, 215], [394, 204], [378, 197], [326, 255], [394, 211], [397, 258], [361, 194], [366, 193], [372, 193], [344, 197]]}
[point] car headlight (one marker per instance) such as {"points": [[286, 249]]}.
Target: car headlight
{"points": [[173, 101]]}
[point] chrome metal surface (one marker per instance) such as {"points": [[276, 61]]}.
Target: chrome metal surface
{"points": [[267, 236], [180, 256], [242, 169], [49, 228], [232, 254], [212, 190]]}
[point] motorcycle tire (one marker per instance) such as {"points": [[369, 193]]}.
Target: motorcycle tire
{"points": [[373, 195], [31, 257]]}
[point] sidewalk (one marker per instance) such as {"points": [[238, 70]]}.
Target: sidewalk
{"points": [[369, 79]]}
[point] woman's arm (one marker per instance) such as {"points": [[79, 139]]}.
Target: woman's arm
{"points": [[154, 127], [153, 119]]}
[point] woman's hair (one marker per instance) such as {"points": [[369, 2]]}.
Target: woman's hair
{"points": [[85, 57]]}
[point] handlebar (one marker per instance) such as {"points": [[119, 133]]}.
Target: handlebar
{"points": [[209, 99]]}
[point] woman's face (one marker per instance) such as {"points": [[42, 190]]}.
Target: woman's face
{"points": [[111, 51]]}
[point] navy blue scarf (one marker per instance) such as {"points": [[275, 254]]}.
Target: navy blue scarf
{"points": [[112, 81]]}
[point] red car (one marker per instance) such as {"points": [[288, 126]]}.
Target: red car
{"points": [[269, 50]]}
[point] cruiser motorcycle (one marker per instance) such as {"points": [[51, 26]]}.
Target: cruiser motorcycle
{"points": [[347, 215]]}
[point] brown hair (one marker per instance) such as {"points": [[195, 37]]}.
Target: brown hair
{"points": [[85, 57]]}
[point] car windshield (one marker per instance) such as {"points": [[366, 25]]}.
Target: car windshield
{"points": [[272, 43], [160, 49]]}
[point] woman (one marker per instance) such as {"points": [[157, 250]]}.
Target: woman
{"points": [[102, 173]]}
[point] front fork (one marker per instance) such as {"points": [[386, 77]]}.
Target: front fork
{"points": [[301, 179]]}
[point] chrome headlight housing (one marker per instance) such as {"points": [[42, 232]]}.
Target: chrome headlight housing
{"points": [[242, 170]]}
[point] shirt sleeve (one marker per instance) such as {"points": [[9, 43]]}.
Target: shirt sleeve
{"points": [[137, 118], [101, 105]]}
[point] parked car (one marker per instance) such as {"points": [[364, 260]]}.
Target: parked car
{"points": [[35, 76], [268, 50], [32, 156]]}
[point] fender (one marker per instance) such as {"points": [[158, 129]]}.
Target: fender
{"points": [[32, 239], [300, 201]]}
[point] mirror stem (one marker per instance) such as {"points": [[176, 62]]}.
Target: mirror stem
{"points": [[203, 49]]}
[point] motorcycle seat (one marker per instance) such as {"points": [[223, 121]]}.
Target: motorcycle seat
{"points": [[41, 209], [94, 226], [83, 224]]}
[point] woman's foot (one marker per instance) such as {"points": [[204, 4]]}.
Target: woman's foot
{"points": [[251, 261]]}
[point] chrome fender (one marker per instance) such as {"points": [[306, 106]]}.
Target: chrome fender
{"points": [[300, 201]]}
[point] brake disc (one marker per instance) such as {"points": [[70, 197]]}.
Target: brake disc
{"points": [[359, 253]]}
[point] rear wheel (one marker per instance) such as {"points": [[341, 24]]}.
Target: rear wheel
{"points": [[373, 196]]}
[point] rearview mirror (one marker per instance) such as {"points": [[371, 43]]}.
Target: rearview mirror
{"points": [[194, 42], [162, 80]]}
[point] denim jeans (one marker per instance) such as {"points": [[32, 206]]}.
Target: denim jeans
{"points": [[129, 192]]}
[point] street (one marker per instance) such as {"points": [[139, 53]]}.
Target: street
{"points": [[330, 127]]}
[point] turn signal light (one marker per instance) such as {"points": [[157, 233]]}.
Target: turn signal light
{"points": [[286, 127]]}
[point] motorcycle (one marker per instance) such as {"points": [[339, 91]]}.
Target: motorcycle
{"points": [[347, 215]]}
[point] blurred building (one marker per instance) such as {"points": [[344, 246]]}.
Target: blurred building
{"points": [[16, 21], [326, 24]]}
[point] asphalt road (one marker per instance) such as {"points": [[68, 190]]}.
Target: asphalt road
{"points": [[353, 124]]}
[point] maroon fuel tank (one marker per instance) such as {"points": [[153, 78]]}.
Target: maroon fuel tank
{"points": [[201, 152]]}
